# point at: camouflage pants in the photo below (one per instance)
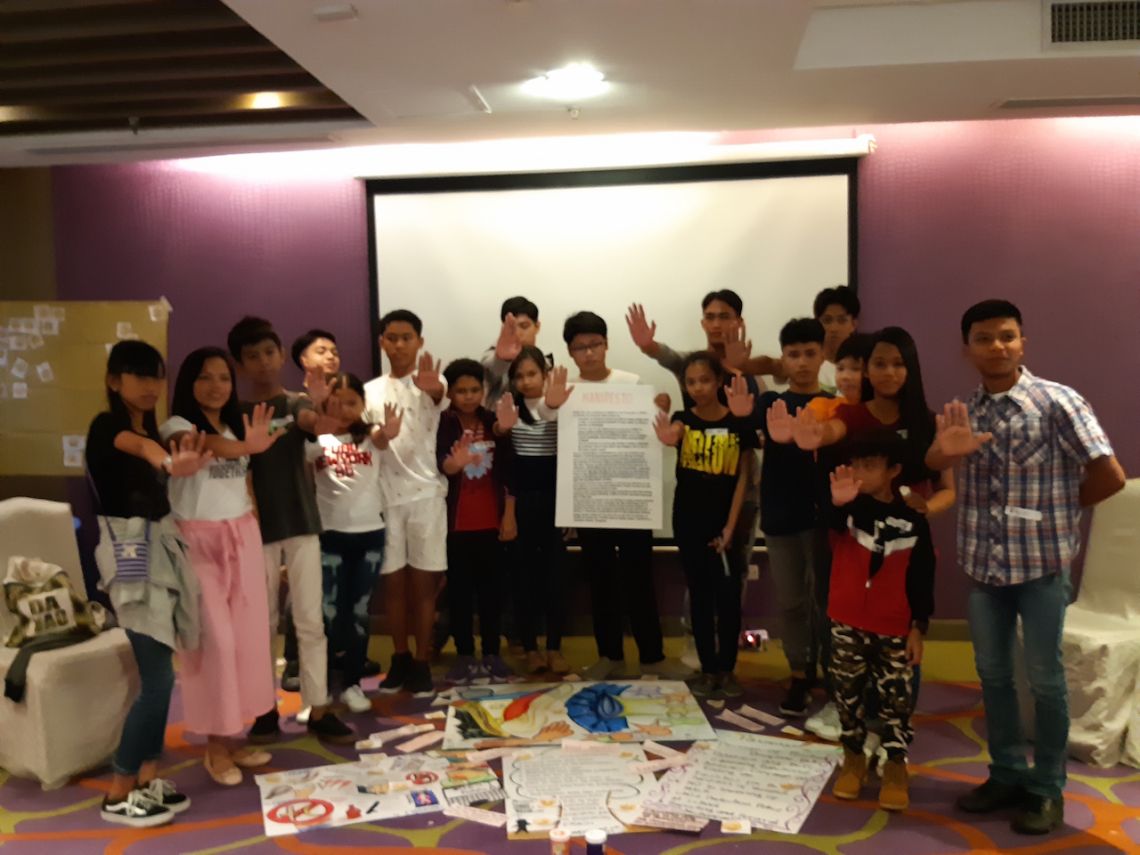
(867, 663)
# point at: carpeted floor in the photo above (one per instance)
(1102, 806)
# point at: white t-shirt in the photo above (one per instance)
(218, 492)
(827, 376)
(616, 376)
(347, 476)
(408, 468)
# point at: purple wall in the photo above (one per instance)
(218, 247)
(1042, 212)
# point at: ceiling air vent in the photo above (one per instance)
(1093, 23)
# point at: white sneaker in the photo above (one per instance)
(825, 723)
(303, 715)
(354, 698)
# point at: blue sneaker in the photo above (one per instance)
(463, 671)
(495, 668)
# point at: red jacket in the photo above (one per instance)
(882, 567)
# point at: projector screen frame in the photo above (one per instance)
(846, 166)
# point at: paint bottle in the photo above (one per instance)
(595, 842)
(559, 841)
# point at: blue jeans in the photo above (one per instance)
(993, 612)
(350, 563)
(144, 731)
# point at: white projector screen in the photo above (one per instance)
(452, 249)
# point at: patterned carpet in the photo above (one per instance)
(1102, 805)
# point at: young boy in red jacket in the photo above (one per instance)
(882, 595)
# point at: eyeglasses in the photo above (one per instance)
(588, 346)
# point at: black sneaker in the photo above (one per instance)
(991, 796)
(329, 728)
(371, 668)
(137, 810)
(163, 792)
(1039, 815)
(266, 728)
(291, 677)
(728, 687)
(419, 681)
(703, 685)
(795, 702)
(398, 673)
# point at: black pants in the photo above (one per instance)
(539, 571)
(820, 650)
(619, 564)
(714, 596)
(474, 576)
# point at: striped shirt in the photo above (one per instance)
(536, 449)
(1020, 511)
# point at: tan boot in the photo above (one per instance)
(895, 791)
(850, 779)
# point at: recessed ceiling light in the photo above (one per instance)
(573, 82)
(266, 101)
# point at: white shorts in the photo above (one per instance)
(417, 536)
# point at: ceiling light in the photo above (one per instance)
(571, 83)
(266, 101)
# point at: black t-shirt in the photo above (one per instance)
(789, 481)
(708, 466)
(282, 479)
(127, 486)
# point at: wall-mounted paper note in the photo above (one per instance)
(41, 312)
(19, 369)
(59, 313)
(19, 390)
(44, 372)
(49, 326)
(73, 459)
(35, 340)
(123, 330)
(17, 342)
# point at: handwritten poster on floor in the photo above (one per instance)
(548, 787)
(372, 788)
(609, 459)
(771, 782)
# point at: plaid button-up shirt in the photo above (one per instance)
(1019, 517)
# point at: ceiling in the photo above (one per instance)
(408, 71)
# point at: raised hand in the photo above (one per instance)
(807, 430)
(188, 455)
(668, 432)
(640, 329)
(330, 419)
(662, 401)
(461, 455)
(737, 347)
(393, 418)
(508, 346)
(427, 375)
(506, 413)
(740, 400)
(844, 487)
(780, 422)
(257, 426)
(954, 436)
(317, 386)
(557, 392)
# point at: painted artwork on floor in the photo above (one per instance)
(546, 713)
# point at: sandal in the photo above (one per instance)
(230, 777)
(251, 757)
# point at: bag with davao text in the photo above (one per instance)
(39, 595)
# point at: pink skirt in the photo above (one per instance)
(228, 680)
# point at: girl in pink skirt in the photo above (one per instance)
(227, 681)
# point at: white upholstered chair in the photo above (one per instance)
(77, 697)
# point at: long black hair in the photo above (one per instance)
(132, 356)
(538, 358)
(915, 416)
(187, 406)
(344, 380)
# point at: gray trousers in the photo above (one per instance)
(797, 561)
